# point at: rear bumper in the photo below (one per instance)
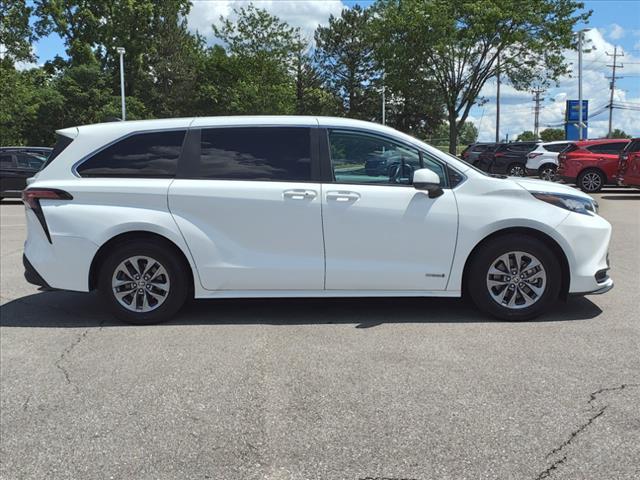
(31, 275)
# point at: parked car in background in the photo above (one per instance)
(471, 154)
(543, 161)
(16, 165)
(591, 164)
(507, 158)
(629, 164)
(152, 212)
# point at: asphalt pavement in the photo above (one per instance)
(321, 389)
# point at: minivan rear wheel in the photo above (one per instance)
(513, 277)
(143, 282)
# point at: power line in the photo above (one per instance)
(612, 85)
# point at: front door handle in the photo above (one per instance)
(299, 194)
(343, 197)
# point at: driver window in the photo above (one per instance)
(358, 157)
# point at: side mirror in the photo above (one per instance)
(425, 179)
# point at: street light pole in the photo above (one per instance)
(121, 51)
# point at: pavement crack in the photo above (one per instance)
(59, 363)
(596, 413)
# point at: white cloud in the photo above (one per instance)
(305, 14)
(616, 32)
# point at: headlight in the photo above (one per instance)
(586, 206)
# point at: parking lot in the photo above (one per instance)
(322, 389)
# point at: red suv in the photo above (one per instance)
(591, 164)
(629, 165)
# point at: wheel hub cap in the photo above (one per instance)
(140, 284)
(516, 280)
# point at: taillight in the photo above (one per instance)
(32, 196)
(533, 155)
(498, 154)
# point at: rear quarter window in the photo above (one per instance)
(141, 155)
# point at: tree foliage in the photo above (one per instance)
(552, 134)
(16, 35)
(345, 57)
(458, 44)
(526, 136)
(429, 57)
(617, 133)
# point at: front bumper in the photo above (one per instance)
(587, 240)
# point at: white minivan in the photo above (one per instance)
(152, 212)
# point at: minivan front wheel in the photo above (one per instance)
(514, 277)
(143, 282)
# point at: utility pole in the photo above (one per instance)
(612, 85)
(536, 111)
(121, 51)
(498, 103)
(581, 124)
(580, 34)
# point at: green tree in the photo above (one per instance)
(526, 136)
(16, 35)
(468, 134)
(617, 133)
(311, 97)
(345, 57)
(259, 70)
(552, 134)
(458, 44)
(95, 29)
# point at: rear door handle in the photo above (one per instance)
(343, 197)
(299, 194)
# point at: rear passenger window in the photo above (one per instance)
(6, 161)
(256, 153)
(146, 155)
(611, 148)
(556, 147)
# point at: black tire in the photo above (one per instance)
(547, 172)
(476, 285)
(516, 170)
(175, 267)
(591, 180)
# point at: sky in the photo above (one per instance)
(613, 23)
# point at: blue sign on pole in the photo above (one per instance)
(572, 114)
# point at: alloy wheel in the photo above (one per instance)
(548, 174)
(516, 280)
(591, 181)
(516, 171)
(140, 284)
